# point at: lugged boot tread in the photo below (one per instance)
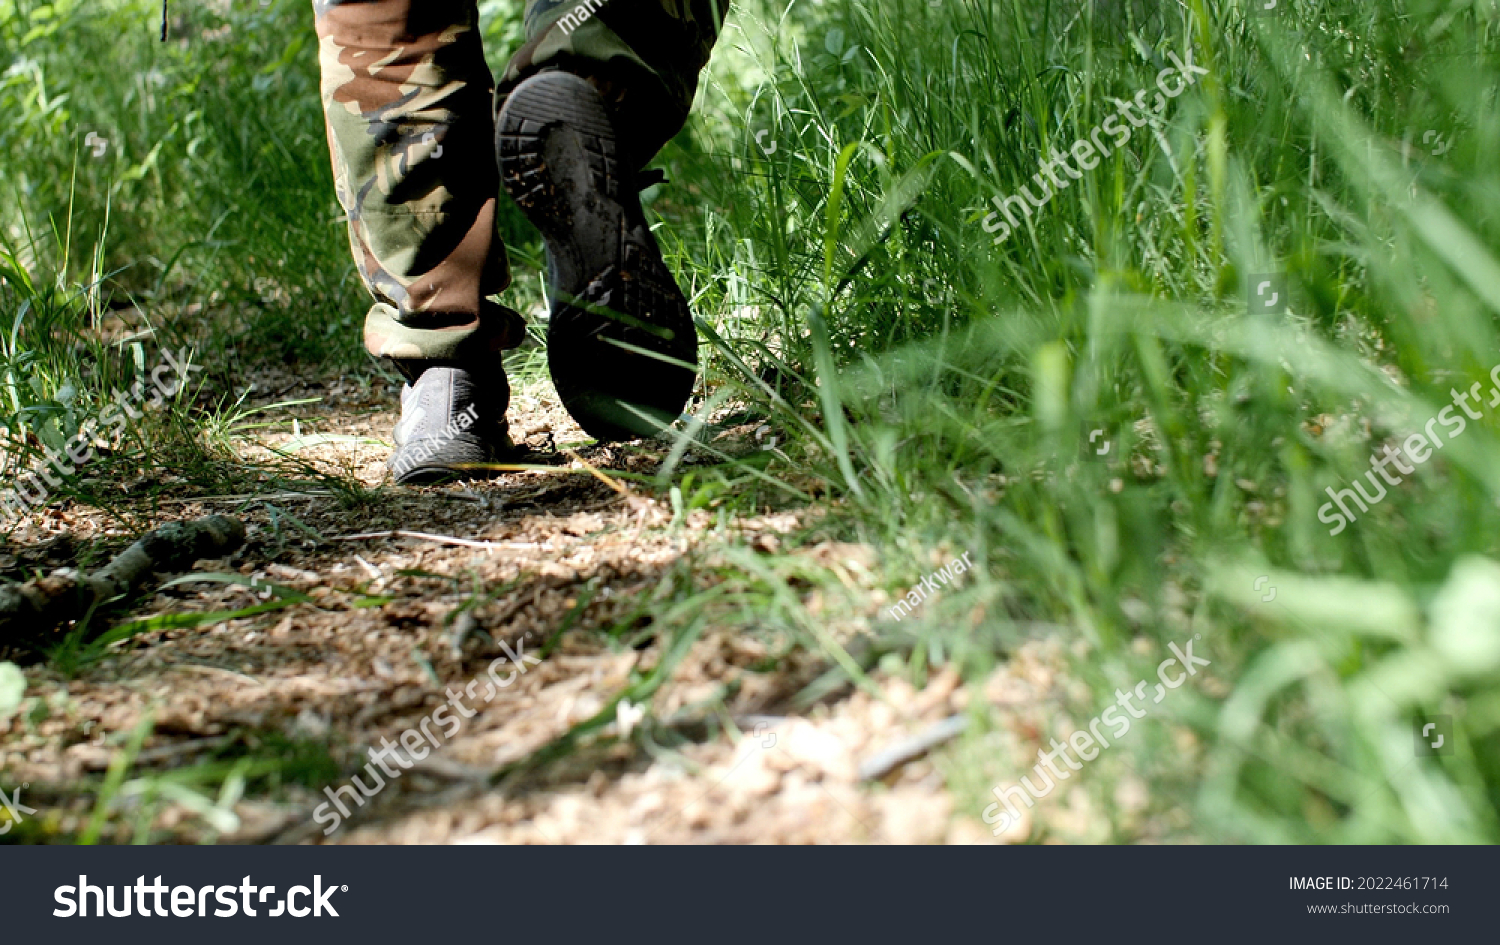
(558, 160)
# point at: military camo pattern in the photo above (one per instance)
(409, 102)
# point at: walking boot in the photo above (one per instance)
(621, 345)
(452, 417)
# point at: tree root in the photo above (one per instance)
(31, 612)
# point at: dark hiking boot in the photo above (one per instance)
(620, 343)
(450, 417)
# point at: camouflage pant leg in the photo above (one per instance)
(644, 55)
(410, 129)
(407, 96)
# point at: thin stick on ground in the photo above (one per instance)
(440, 539)
(596, 473)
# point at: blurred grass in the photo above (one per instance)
(940, 390)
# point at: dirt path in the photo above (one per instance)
(719, 754)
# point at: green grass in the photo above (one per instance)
(938, 391)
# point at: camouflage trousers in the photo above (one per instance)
(410, 105)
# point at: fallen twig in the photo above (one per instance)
(440, 539)
(881, 763)
(30, 612)
(267, 497)
(596, 473)
(370, 569)
(464, 626)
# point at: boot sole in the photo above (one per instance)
(621, 345)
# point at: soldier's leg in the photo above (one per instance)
(406, 92)
(407, 96)
(598, 88)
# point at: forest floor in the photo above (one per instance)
(564, 569)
